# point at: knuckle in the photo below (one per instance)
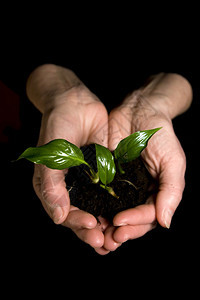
(48, 197)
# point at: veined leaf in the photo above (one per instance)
(58, 154)
(131, 147)
(105, 164)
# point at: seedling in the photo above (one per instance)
(60, 154)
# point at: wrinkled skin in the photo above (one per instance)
(164, 159)
(81, 118)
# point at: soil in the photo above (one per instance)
(92, 198)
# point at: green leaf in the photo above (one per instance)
(105, 164)
(58, 154)
(131, 147)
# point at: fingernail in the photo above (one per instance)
(120, 224)
(167, 217)
(57, 214)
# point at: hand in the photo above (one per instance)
(81, 119)
(72, 112)
(78, 116)
(164, 158)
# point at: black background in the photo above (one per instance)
(111, 61)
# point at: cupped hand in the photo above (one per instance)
(164, 159)
(72, 112)
(80, 118)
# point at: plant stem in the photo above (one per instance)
(110, 190)
(93, 176)
(120, 168)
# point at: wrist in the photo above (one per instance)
(48, 83)
(169, 93)
(145, 112)
(63, 100)
(164, 97)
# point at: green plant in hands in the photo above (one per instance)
(60, 154)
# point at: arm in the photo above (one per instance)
(175, 89)
(47, 82)
(166, 94)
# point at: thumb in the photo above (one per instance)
(98, 131)
(51, 189)
(171, 186)
(119, 127)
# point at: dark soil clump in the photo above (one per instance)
(92, 198)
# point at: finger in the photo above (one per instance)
(102, 225)
(94, 237)
(51, 189)
(101, 251)
(109, 243)
(142, 214)
(79, 219)
(98, 131)
(85, 226)
(171, 186)
(129, 232)
(119, 127)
